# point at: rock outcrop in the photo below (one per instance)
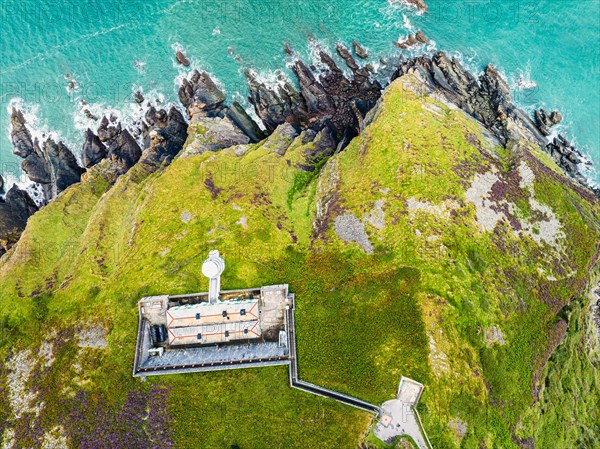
(167, 138)
(93, 149)
(544, 121)
(359, 50)
(122, 149)
(419, 4)
(215, 125)
(419, 38)
(200, 94)
(182, 58)
(326, 99)
(20, 135)
(488, 99)
(243, 121)
(52, 165)
(15, 210)
(567, 157)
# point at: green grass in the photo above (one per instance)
(418, 307)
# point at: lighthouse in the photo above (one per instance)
(212, 268)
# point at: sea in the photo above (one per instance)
(61, 58)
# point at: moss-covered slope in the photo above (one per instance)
(424, 249)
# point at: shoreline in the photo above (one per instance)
(332, 102)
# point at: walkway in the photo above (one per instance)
(312, 388)
(396, 418)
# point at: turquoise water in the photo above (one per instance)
(110, 49)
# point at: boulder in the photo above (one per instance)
(359, 50)
(419, 38)
(281, 139)
(182, 58)
(213, 134)
(556, 117)
(419, 4)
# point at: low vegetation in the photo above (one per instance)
(492, 322)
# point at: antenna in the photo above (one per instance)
(212, 268)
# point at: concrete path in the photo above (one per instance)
(396, 418)
(399, 418)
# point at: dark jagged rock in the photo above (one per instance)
(329, 100)
(488, 99)
(420, 37)
(182, 58)
(276, 105)
(121, 147)
(108, 130)
(20, 135)
(52, 165)
(167, 140)
(359, 50)
(419, 4)
(93, 149)
(63, 165)
(314, 94)
(124, 151)
(544, 121)
(413, 40)
(15, 210)
(139, 98)
(565, 155)
(1, 185)
(200, 94)
(242, 120)
(89, 115)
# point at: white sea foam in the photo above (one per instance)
(131, 114)
(521, 79)
(401, 5)
(271, 78)
(140, 66)
(315, 47)
(38, 129)
(407, 24)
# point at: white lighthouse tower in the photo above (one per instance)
(212, 268)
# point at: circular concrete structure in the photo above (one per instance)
(213, 266)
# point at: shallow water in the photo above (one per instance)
(549, 50)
